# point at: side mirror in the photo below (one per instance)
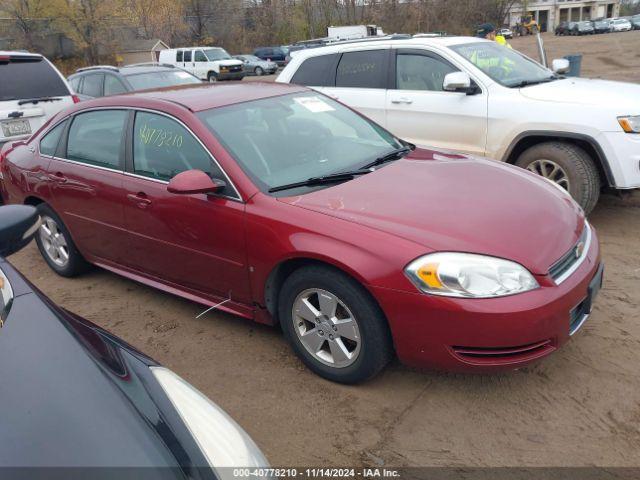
(194, 181)
(560, 65)
(458, 82)
(18, 225)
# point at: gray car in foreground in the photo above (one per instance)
(256, 66)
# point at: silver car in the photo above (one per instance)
(256, 66)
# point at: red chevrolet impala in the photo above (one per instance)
(291, 208)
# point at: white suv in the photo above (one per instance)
(32, 90)
(475, 96)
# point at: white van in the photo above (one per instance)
(32, 90)
(206, 63)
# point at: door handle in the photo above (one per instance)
(58, 177)
(404, 100)
(140, 199)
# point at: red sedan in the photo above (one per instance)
(281, 205)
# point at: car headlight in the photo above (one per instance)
(630, 124)
(469, 276)
(223, 442)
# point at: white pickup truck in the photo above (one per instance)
(475, 96)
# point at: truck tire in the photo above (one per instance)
(568, 166)
(211, 77)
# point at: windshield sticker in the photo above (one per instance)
(160, 138)
(314, 104)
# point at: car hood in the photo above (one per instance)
(586, 91)
(449, 202)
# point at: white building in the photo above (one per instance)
(549, 13)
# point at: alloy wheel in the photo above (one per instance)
(552, 171)
(55, 245)
(326, 328)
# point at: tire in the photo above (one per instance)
(211, 77)
(582, 177)
(259, 71)
(369, 352)
(51, 243)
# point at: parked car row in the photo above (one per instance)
(606, 25)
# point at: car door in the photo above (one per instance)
(85, 179)
(200, 61)
(421, 112)
(189, 65)
(361, 80)
(194, 241)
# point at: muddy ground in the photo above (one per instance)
(580, 407)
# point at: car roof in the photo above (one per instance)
(23, 53)
(135, 69)
(442, 41)
(201, 97)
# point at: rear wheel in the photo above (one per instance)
(56, 245)
(334, 325)
(567, 165)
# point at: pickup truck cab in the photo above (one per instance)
(472, 95)
(206, 63)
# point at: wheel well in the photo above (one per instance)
(33, 201)
(595, 153)
(281, 272)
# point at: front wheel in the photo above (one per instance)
(211, 77)
(334, 325)
(259, 71)
(567, 165)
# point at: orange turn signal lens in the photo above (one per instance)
(429, 275)
(626, 126)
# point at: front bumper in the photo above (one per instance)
(238, 75)
(622, 151)
(488, 335)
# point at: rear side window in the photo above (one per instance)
(75, 83)
(49, 143)
(179, 56)
(316, 71)
(95, 138)
(187, 56)
(22, 79)
(162, 148)
(92, 85)
(364, 69)
(113, 85)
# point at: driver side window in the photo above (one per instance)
(421, 72)
(200, 56)
(162, 148)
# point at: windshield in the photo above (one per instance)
(585, 24)
(504, 65)
(292, 138)
(166, 78)
(214, 54)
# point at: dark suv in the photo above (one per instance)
(105, 80)
(275, 54)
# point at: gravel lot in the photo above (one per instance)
(580, 407)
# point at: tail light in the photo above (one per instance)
(75, 98)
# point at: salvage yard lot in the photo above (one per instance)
(580, 407)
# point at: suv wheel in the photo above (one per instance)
(211, 77)
(334, 325)
(56, 246)
(567, 165)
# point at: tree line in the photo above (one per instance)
(97, 27)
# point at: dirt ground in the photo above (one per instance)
(580, 407)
